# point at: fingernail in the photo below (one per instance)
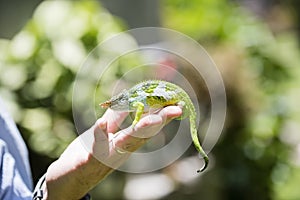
(101, 123)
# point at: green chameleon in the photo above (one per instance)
(155, 94)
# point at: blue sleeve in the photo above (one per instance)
(15, 174)
(12, 186)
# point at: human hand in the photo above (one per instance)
(112, 147)
(99, 150)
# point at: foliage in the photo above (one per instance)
(39, 65)
(254, 156)
(38, 69)
(258, 154)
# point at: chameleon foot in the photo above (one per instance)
(139, 111)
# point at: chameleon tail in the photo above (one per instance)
(189, 106)
(197, 144)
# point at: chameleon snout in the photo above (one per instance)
(106, 104)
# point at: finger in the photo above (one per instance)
(151, 124)
(101, 124)
(170, 112)
(147, 127)
(100, 144)
(129, 139)
(108, 123)
(114, 119)
(166, 114)
(149, 120)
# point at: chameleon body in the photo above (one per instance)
(156, 94)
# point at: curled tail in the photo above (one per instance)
(197, 145)
(189, 110)
(194, 135)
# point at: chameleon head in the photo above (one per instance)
(119, 102)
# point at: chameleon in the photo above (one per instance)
(156, 94)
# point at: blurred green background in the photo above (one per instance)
(255, 44)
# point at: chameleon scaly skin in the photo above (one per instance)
(155, 94)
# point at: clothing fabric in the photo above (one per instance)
(15, 173)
